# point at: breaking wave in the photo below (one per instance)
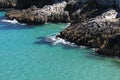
(14, 21)
(54, 41)
(68, 24)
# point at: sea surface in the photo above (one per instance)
(29, 52)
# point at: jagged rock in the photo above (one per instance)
(112, 48)
(93, 32)
(77, 9)
(34, 15)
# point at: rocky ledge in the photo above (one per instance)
(34, 15)
(96, 33)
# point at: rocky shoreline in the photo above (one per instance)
(96, 33)
(34, 15)
(112, 47)
(94, 23)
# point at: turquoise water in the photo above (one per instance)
(26, 55)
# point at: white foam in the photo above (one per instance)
(14, 21)
(10, 21)
(68, 24)
(54, 41)
(82, 46)
(46, 23)
(93, 49)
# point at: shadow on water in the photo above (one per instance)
(2, 17)
(90, 54)
(15, 26)
(43, 41)
(10, 26)
(94, 56)
(116, 61)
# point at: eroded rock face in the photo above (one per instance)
(76, 9)
(76, 4)
(34, 15)
(92, 32)
(101, 31)
(112, 48)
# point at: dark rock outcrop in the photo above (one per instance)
(95, 27)
(92, 32)
(112, 48)
(76, 9)
(22, 4)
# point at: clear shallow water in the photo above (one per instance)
(26, 55)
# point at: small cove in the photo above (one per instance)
(26, 55)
